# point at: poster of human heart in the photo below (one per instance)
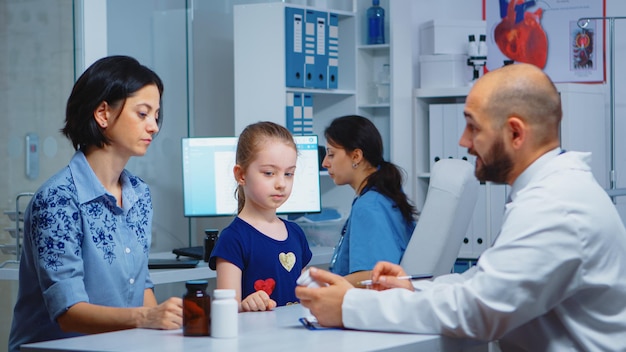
(549, 35)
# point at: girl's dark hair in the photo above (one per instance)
(111, 79)
(249, 143)
(356, 132)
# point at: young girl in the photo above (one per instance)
(258, 254)
(382, 219)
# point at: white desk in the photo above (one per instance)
(277, 330)
(321, 255)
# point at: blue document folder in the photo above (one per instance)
(333, 51)
(307, 113)
(315, 58)
(294, 47)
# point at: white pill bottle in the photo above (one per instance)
(224, 314)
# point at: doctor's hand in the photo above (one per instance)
(384, 276)
(325, 302)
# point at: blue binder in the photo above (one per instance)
(294, 112)
(297, 113)
(307, 113)
(294, 47)
(321, 58)
(289, 111)
(297, 107)
(333, 51)
(316, 58)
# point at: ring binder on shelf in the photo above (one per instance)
(307, 113)
(294, 50)
(299, 113)
(316, 59)
(294, 111)
(333, 51)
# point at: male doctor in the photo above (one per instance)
(555, 278)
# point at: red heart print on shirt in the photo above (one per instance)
(266, 285)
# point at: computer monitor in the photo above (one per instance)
(209, 185)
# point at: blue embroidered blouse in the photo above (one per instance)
(79, 246)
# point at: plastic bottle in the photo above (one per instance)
(210, 237)
(196, 309)
(383, 85)
(305, 279)
(375, 24)
(224, 314)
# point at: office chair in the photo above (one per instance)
(444, 219)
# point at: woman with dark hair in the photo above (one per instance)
(87, 230)
(382, 219)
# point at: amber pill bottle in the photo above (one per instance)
(196, 309)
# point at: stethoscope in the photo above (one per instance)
(336, 253)
(343, 232)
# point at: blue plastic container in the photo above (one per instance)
(375, 24)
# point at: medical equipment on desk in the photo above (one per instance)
(321, 229)
(17, 216)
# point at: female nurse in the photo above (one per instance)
(382, 218)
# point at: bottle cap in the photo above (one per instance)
(223, 293)
(306, 280)
(197, 284)
(375, 2)
(211, 233)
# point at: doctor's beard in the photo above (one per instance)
(496, 164)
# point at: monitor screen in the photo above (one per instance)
(209, 184)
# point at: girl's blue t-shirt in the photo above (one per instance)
(265, 263)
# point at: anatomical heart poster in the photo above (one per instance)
(548, 34)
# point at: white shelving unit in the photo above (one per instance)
(260, 78)
(422, 98)
(260, 75)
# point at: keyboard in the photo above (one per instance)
(196, 252)
(172, 263)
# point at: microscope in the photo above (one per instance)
(476, 55)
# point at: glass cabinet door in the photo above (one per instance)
(36, 77)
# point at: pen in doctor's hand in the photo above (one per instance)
(409, 277)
